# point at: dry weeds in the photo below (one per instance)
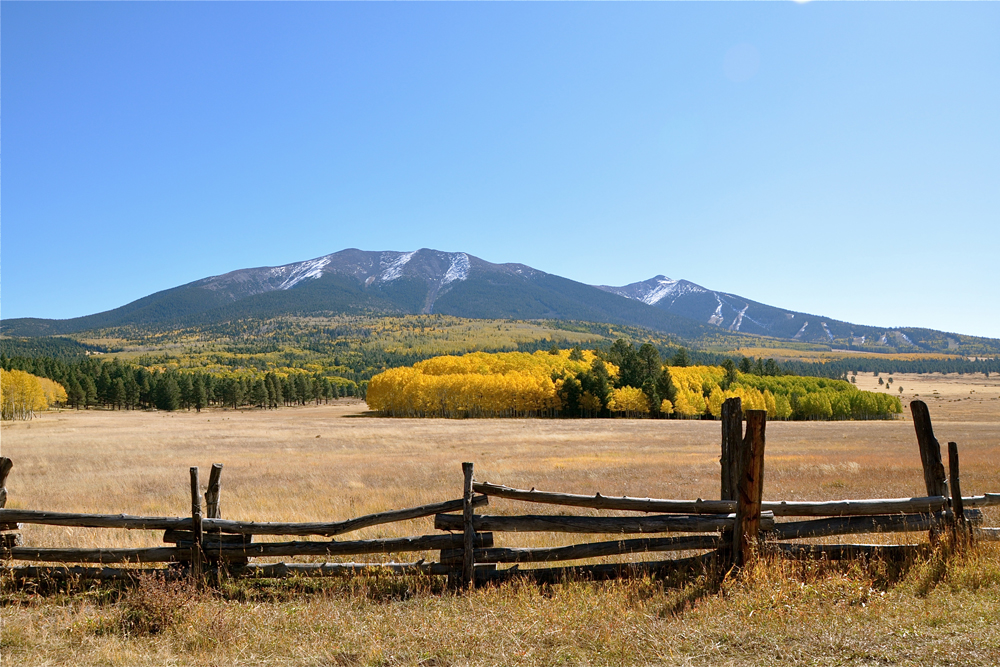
(329, 463)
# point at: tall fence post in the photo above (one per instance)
(749, 488)
(959, 525)
(930, 450)
(196, 554)
(5, 465)
(469, 553)
(732, 435)
(7, 539)
(212, 509)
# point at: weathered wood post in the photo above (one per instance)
(212, 510)
(5, 465)
(196, 554)
(732, 435)
(749, 489)
(7, 539)
(468, 554)
(959, 525)
(930, 450)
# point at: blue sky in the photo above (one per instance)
(841, 159)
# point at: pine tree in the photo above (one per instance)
(166, 394)
(200, 396)
(89, 391)
(259, 393)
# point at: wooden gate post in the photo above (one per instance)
(196, 555)
(959, 525)
(749, 488)
(212, 509)
(732, 436)
(468, 553)
(930, 450)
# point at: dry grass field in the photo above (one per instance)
(334, 462)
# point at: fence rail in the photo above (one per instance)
(733, 529)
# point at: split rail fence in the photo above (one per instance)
(730, 531)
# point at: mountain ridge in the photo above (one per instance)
(457, 283)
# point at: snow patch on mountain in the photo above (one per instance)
(716, 317)
(827, 330)
(663, 287)
(801, 331)
(459, 269)
(738, 320)
(301, 271)
(394, 269)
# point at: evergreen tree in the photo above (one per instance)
(166, 393)
(731, 377)
(74, 393)
(117, 393)
(652, 396)
(186, 387)
(89, 391)
(259, 393)
(200, 396)
(665, 388)
(131, 390)
(570, 397)
(680, 358)
(650, 364)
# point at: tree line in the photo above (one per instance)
(115, 384)
(623, 380)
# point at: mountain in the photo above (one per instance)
(735, 313)
(459, 284)
(357, 281)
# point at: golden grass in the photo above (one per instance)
(949, 397)
(796, 354)
(329, 463)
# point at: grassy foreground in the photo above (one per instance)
(322, 463)
(941, 610)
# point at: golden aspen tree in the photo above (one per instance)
(21, 395)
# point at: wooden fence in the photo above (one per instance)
(730, 531)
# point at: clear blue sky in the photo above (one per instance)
(842, 159)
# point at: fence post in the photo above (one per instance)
(212, 510)
(468, 554)
(959, 525)
(196, 555)
(7, 539)
(5, 465)
(930, 450)
(749, 488)
(732, 435)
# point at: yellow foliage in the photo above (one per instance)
(507, 384)
(54, 392)
(23, 394)
(715, 401)
(630, 400)
(666, 407)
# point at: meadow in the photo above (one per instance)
(316, 463)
